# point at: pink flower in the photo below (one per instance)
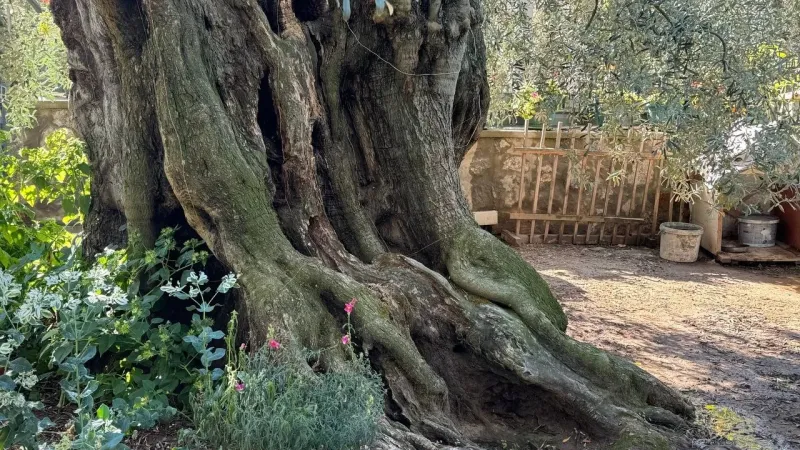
(534, 95)
(273, 344)
(239, 386)
(243, 347)
(348, 307)
(346, 339)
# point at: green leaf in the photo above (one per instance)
(211, 355)
(161, 275)
(104, 412)
(111, 440)
(90, 389)
(60, 353)
(7, 383)
(20, 365)
(138, 329)
(5, 258)
(44, 424)
(105, 341)
(87, 354)
(213, 334)
(205, 307)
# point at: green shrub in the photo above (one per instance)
(95, 330)
(56, 173)
(271, 404)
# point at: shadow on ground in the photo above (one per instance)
(725, 336)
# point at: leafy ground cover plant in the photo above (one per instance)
(94, 330)
(273, 400)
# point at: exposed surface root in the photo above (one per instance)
(395, 436)
(609, 394)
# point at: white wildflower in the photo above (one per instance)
(51, 280)
(72, 303)
(198, 279)
(98, 274)
(12, 399)
(28, 314)
(31, 310)
(194, 292)
(69, 276)
(228, 281)
(27, 379)
(96, 298)
(9, 290)
(118, 297)
(53, 300)
(6, 348)
(170, 288)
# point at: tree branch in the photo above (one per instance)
(594, 13)
(35, 5)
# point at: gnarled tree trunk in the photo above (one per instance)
(317, 157)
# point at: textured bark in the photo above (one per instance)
(318, 159)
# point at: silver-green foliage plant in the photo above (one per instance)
(719, 77)
(96, 331)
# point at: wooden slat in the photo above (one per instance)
(654, 224)
(580, 197)
(595, 189)
(566, 197)
(525, 137)
(543, 136)
(536, 193)
(671, 207)
(552, 192)
(558, 137)
(632, 203)
(521, 186)
(576, 218)
(780, 253)
(485, 217)
(619, 198)
(644, 198)
(605, 205)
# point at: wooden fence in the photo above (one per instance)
(586, 189)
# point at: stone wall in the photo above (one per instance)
(50, 116)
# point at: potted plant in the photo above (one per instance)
(526, 103)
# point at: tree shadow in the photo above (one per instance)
(707, 329)
(709, 365)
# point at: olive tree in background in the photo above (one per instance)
(720, 77)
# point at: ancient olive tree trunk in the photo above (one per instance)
(317, 157)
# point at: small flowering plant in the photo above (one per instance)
(194, 287)
(349, 307)
(526, 102)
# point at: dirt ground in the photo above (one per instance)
(726, 336)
